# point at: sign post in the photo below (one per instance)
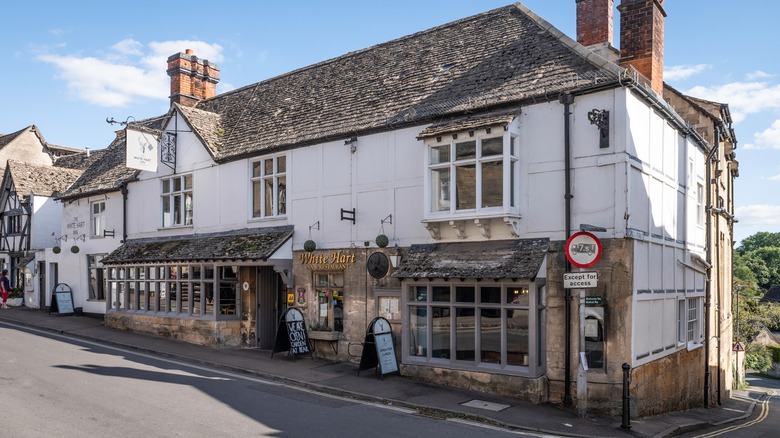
(291, 334)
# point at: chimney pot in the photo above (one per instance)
(192, 79)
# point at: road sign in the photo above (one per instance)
(580, 280)
(583, 249)
(738, 346)
(594, 301)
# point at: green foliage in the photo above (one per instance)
(757, 357)
(775, 354)
(761, 239)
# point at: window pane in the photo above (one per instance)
(465, 187)
(418, 330)
(268, 167)
(464, 334)
(492, 146)
(269, 196)
(517, 337)
(187, 182)
(177, 184)
(177, 209)
(281, 164)
(490, 335)
(513, 146)
(464, 294)
(440, 154)
(166, 186)
(492, 184)
(440, 189)
(440, 340)
(188, 209)
(517, 295)
(256, 169)
(512, 172)
(441, 293)
(466, 150)
(256, 199)
(281, 193)
(166, 211)
(490, 294)
(419, 293)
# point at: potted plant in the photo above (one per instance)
(15, 297)
(321, 331)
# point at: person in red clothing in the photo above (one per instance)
(5, 287)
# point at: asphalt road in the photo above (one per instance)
(53, 386)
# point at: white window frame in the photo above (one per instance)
(449, 165)
(97, 219)
(260, 178)
(169, 216)
(699, 205)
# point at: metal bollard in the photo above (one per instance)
(626, 397)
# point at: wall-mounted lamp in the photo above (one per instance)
(600, 118)
(395, 258)
(352, 142)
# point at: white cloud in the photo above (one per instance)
(128, 73)
(758, 74)
(128, 47)
(758, 215)
(767, 139)
(743, 98)
(678, 72)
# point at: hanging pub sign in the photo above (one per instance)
(378, 348)
(291, 334)
(141, 150)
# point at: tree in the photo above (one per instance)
(759, 240)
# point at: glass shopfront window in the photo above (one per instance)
(472, 326)
(184, 289)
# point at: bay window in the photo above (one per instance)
(477, 175)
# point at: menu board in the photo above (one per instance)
(291, 334)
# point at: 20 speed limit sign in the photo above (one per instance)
(583, 249)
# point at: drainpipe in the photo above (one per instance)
(567, 99)
(708, 297)
(123, 188)
(719, 288)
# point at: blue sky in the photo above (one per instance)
(67, 66)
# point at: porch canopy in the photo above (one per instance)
(520, 258)
(246, 244)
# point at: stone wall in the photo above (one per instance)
(195, 331)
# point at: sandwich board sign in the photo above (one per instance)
(291, 334)
(378, 348)
(62, 300)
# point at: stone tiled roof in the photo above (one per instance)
(504, 57)
(40, 180)
(80, 160)
(207, 126)
(772, 295)
(254, 244)
(474, 260)
(108, 171)
(467, 123)
(7, 138)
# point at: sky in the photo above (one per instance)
(69, 66)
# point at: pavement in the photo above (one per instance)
(342, 379)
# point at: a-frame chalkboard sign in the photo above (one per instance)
(291, 334)
(62, 300)
(378, 348)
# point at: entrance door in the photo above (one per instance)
(41, 285)
(269, 300)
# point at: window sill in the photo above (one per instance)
(176, 227)
(482, 221)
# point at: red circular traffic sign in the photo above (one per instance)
(583, 249)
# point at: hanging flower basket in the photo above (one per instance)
(382, 241)
(309, 246)
(56, 250)
(74, 249)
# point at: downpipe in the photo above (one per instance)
(567, 99)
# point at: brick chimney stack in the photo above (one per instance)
(192, 79)
(642, 39)
(594, 27)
